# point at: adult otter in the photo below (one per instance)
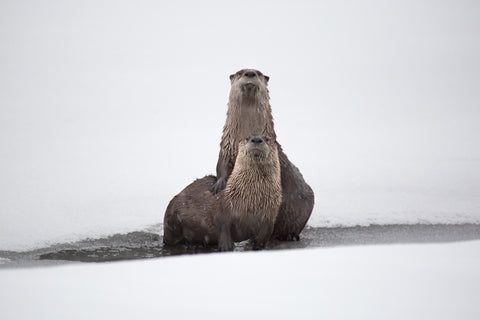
(246, 209)
(248, 111)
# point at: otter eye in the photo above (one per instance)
(246, 139)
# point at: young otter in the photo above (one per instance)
(249, 110)
(253, 194)
(246, 209)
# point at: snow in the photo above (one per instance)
(369, 282)
(108, 110)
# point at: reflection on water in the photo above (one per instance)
(148, 244)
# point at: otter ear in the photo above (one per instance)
(232, 76)
(266, 78)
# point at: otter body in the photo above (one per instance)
(249, 111)
(190, 218)
(246, 209)
(251, 200)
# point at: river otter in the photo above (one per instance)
(190, 215)
(248, 111)
(246, 209)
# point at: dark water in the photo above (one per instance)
(146, 245)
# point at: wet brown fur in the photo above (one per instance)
(249, 111)
(189, 217)
(251, 199)
(246, 209)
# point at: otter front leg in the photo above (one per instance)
(225, 241)
(224, 169)
(219, 185)
(262, 236)
(224, 225)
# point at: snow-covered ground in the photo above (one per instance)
(370, 282)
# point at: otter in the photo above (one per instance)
(249, 110)
(190, 215)
(247, 208)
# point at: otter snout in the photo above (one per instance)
(250, 74)
(256, 139)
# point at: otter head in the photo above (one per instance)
(248, 85)
(258, 148)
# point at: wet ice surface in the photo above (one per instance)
(148, 244)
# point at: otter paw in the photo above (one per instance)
(225, 241)
(258, 246)
(219, 185)
(289, 237)
(225, 246)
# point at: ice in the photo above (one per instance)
(368, 282)
(108, 111)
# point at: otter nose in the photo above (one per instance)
(256, 140)
(249, 74)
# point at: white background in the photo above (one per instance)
(109, 108)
